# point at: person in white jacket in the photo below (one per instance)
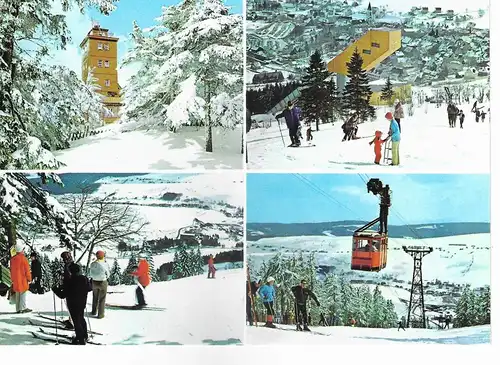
(99, 273)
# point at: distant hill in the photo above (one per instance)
(256, 231)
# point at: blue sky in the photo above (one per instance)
(118, 22)
(285, 198)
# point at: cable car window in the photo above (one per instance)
(376, 245)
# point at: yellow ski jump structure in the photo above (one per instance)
(374, 46)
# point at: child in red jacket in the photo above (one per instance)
(378, 146)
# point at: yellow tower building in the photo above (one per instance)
(100, 61)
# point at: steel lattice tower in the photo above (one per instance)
(416, 309)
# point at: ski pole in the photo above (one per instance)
(55, 317)
(88, 320)
(279, 126)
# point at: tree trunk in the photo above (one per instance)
(209, 146)
(243, 139)
(317, 124)
(9, 227)
(91, 249)
(6, 59)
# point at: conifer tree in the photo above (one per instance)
(485, 307)
(127, 278)
(47, 275)
(357, 93)
(316, 96)
(387, 92)
(115, 276)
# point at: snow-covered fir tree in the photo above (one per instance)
(28, 31)
(318, 96)
(47, 276)
(198, 263)
(115, 274)
(387, 92)
(56, 269)
(190, 69)
(127, 278)
(21, 200)
(357, 92)
(485, 307)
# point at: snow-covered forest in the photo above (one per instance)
(340, 301)
(190, 73)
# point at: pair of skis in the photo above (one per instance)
(57, 338)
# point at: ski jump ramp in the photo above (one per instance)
(374, 46)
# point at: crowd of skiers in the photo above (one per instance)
(72, 286)
(454, 113)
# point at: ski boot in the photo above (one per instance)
(306, 329)
(269, 325)
(68, 325)
(298, 328)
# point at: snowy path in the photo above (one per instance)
(372, 336)
(427, 145)
(141, 150)
(198, 311)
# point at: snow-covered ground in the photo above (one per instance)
(456, 259)
(363, 336)
(428, 145)
(196, 311)
(123, 150)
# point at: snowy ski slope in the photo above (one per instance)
(197, 311)
(427, 145)
(367, 336)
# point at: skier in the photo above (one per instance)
(322, 320)
(254, 287)
(398, 113)
(377, 148)
(353, 322)
(211, 267)
(447, 321)
(478, 115)
(66, 275)
(292, 117)
(452, 111)
(99, 273)
(401, 326)
(350, 128)
(36, 273)
(309, 136)
(462, 118)
(143, 278)
(75, 290)
(385, 203)
(301, 294)
(267, 293)
(395, 138)
(20, 275)
(483, 116)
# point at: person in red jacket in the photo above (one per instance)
(20, 275)
(142, 274)
(211, 267)
(378, 141)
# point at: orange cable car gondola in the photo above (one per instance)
(369, 247)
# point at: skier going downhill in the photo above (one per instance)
(301, 294)
(267, 293)
(292, 117)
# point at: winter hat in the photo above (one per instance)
(388, 115)
(269, 279)
(378, 133)
(99, 254)
(19, 247)
(396, 101)
(142, 255)
(75, 269)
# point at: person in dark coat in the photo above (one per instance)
(350, 128)
(478, 115)
(322, 320)
(36, 274)
(483, 116)
(254, 286)
(400, 326)
(301, 294)
(75, 290)
(292, 118)
(447, 321)
(462, 119)
(385, 203)
(66, 275)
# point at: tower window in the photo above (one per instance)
(107, 83)
(99, 46)
(99, 63)
(367, 51)
(106, 64)
(106, 46)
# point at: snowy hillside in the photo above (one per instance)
(194, 311)
(427, 144)
(121, 149)
(364, 336)
(456, 259)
